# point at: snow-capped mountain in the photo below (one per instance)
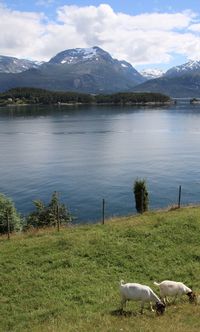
(96, 65)
(180, 81)
(77, 55)
(95, 56)
(152, 73)
(190, 67)
(90, 70)
(14, 65)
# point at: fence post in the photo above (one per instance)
(58, 219)
(103, 211)
(142, 201)
(179, 197)
(8, 224)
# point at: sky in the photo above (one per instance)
(146, 33)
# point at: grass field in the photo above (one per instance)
(69, 281)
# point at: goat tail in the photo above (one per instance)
(156, 283)
(121, 282)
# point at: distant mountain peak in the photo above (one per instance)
(14, 65)
(76, 55)
(151, 73)
(189, 67)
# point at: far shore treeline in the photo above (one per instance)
(21, 96)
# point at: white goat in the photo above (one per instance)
(176, 289)
(137, 292)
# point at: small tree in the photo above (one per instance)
(49, 215)
(141, 196)
(9, 217)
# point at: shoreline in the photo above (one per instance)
(152, 103)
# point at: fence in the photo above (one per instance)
(105, 206)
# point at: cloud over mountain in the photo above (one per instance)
(148, 38)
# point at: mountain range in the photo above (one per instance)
(90, 70)
(93, 70)
(15, 65)
(180, 81)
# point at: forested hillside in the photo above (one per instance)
(40, 96)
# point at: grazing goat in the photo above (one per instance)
(176, 289)
(137, 292)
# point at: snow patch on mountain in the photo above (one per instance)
(88, 53)
(191, 65)
(152, 73)
(123, 65)
(186, 68)
(73, 56)
(85, 53)
(14, 65)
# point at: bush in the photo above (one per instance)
(141, 196)
(49, 215)
(8, 213)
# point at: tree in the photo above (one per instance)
(55, 213)
(141, 196)
(9, 217)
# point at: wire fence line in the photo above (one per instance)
(179, 198)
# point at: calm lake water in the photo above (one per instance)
(90, 153)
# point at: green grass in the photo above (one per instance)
(69, 281)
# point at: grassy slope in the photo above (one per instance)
(68, 281)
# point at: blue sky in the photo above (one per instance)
(126, 6)
(147, 33)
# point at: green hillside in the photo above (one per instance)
(21, 96)
(69, 281)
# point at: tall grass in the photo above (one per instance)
(69, 281)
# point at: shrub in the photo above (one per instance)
(141, 196)
(49, 215)
(8, 213)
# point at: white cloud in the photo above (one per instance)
(45, 3)
(195, 27)
(20, 32)
(140, 39)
